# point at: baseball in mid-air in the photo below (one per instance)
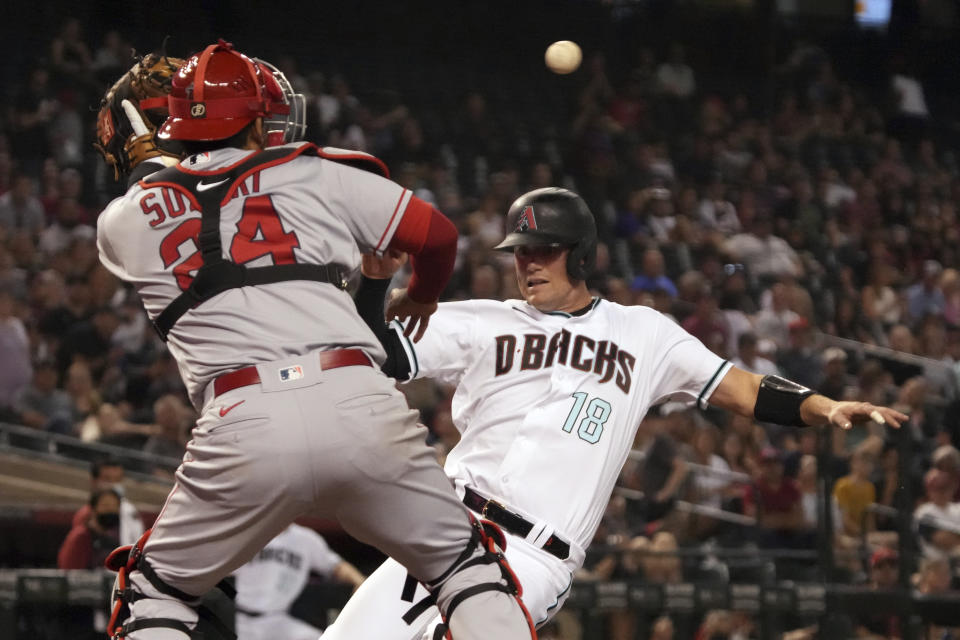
(563, 56)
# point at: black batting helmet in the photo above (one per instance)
(554, 216)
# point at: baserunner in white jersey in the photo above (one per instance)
(268, 585)
(240, 254)
(550, 391)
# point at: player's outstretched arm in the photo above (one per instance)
(775, 399)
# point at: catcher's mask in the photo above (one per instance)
(219, 91)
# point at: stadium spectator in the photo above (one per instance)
(834, 379)
(173, 418)
(70, 56)
(707, 323)
(66, 228)
(675, 77)
(939, 517)
(807, 484)
(800, 361)
(934, 576)
(662, 629)
(676, 84)
(14, 352)
(84, 397)
(749, 359)
(765, 255)
(924, 422)
(734, 453)
(910, 114)
(41, 404)
(715, 212)
(720, 624)
(946, 458)
(111, 58)
(925, 297)
(774, 500)
(661, 218)
(653, 276)
(854, 493)
(61, 304)
(664, 469)
(880, 303)
(89, 543)
(486, 223)
(884, 573)
(887, 481)
(658, 559)
(485, 282)
(950, 286)
(710, 486)
(31, 114)
(774, 320)
(273, 579)
(89, 340)
(108, 474)
(66, 130)
(110, 425)
(20, 209)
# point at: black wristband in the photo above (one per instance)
(779, 400)
(369, 300)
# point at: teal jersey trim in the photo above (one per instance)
(723, 367)
(584, 311)
(556, 602)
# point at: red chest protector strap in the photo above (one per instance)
(208, 192)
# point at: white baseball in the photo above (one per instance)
(563, 56)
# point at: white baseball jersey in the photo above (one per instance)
(306, 210)
(548, 404)
(275, 577)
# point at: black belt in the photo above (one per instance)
(512, 522)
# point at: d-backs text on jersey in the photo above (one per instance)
(602, 358)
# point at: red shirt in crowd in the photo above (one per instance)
(770, 499)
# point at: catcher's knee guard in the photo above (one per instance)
(215, 610)
(459, 583)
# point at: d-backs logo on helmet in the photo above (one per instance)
(527, 220)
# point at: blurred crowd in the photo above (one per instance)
(817, 239)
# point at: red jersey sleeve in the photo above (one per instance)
(431, 240)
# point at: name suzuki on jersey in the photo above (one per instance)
(166, 203)
(602, 358)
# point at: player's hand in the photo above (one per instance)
(846, 414)
(401, 306)
(382, 267)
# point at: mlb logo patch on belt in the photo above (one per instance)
(289, 374)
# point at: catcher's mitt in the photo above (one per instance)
(132, 110)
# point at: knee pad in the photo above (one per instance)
(215, 610)
(485, 548)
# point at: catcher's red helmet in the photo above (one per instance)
(219, 91)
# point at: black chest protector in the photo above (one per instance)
(208, 192)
